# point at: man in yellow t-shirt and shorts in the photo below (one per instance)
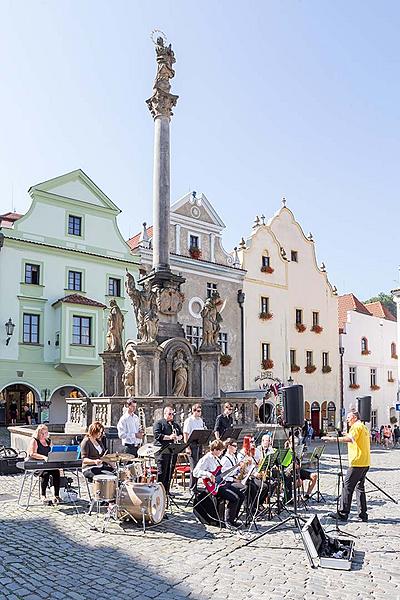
(359, 454)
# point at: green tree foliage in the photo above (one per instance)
(387, 300)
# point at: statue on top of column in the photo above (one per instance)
(115, 324)
(212, 319)
(162, 101)
(144, 304)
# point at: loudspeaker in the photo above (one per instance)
(293, 405)
(364, 408)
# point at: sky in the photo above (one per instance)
(293, 98)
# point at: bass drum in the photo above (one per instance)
(139, 499)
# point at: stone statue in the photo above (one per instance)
(144, 304)
(128, 376)
(115, 327)
(162, 101)
(180, 367)
(212, 320)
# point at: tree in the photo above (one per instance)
(387, 301)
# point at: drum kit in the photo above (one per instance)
(131, 492)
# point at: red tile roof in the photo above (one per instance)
(8, 219)
(133, 242)
(78, 299)
(379, 310)
(349, 302)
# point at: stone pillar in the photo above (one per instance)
(147, 371)
(161, 194)
(113, 369)
(210, 373)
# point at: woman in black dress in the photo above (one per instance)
(39, 449)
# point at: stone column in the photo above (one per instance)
(161, 194)
(147, 371)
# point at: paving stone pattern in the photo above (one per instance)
(54, 552)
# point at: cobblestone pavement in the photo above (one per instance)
(54, 552)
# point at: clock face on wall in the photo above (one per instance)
(195, 212)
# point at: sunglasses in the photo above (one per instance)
(198, 410)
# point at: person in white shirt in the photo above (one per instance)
(129, 429)
(228, 461)
(193, 423)
(264, 448)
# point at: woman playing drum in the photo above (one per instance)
(92, 450)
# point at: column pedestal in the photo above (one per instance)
(113, 369)
(147, 371)
(210, 373)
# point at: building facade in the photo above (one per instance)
(290, 317)
(370, 363)
(196, 252)
(60, 265)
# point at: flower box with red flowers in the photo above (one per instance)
(310, 368)
(391, 380)
(326, 369)
(354, 386)
(365, 352)
(317, 328)
(300, 327)
(265, 316)
(294, 368)
(375, 387)
(395, 356)
(267, 269)
(195, 252)
(267, 363)
(225, 359)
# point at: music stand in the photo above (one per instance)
(231, 432)
(171, 450)
(316, 455)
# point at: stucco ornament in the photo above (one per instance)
(128, 376)
(212, 320)
(170, 300)
(180, 368)
(144, 304)
(162, 101)
(115, 325)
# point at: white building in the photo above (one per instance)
(369, 334)
(290, 316)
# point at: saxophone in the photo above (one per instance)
(142, 419)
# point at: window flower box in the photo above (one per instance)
(195, 252)
(267, 269)
(294, 368)
(300, 327)
(395, 356)
(317, 328)
(375, 387)
(391, 380)
(365, 352)
(310, 368)
(265, 316)
(225, 359)
(326, 369)
(354, 386)
(267, 363)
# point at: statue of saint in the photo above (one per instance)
(144, 304)
(115, 327)
(128, 376)
(212, 320)
(180, 368)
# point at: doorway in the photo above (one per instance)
(315, 417)
(13, 399)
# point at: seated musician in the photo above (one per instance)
(302, 475)
(92, 450)
(264, 449)
(39, 448)
(249, 475)
(230, 460)
(206, 468)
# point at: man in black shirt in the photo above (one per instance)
(166, 432)
(223, 421)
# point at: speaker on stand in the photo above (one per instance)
(364, 408)
(293, 405)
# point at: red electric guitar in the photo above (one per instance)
(220, 479)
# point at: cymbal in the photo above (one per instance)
(116, 457)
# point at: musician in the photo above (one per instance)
(359, 463)
(224, 421)
(129, 429)
(193, 423)
(92, 450)
(39, 448)
(302, 475)
(166, 432)
(257, 489)
(206, 468)
(230, 460)
(264, 449)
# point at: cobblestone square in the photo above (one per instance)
(55, 552)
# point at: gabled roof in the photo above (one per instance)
(202, 202)
(133, 242)
(78, 299)
(350, 302)
(379, 310)
(9, 218)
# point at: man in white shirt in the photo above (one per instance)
(264, 449)
(193, 423)
(129, 430)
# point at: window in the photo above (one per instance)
(393, 350)
(299, 316)
(31, 329)
(374, 418)
(325, 359)
(292, 358)
(81, 330)
(264, 304)
(194, 335)
(265, 261)
(265, 351)
(223, 342)
(353, 375)
(75, 280)
(211, 287)
(32, 274)
(364, 345)
(373, 377)
(390, 376)
(315, 319)
(309, 358)
(74, 225)
(194, 241)
(114, 286)
(293, 256)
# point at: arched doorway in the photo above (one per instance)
(307, 411)
(331, 416)
(13, 398)
(315, 417)
(324, 417)
(58, 411)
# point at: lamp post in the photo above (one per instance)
(341, 353)
(44, 405)
(241, 298)
(9, 330)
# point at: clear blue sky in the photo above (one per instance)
(277, 98)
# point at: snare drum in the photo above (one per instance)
(133, 471)
(105, 487)
(139, 499)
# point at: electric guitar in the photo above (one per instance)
(220, 478)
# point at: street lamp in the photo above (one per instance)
(9, 330)
(341, 352)
(290, 380)
(241, 296)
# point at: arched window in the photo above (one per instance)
(364, 346)
(393, 350)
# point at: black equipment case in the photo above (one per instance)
(329, 552)
(8, 461)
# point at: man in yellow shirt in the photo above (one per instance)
(359, 455)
